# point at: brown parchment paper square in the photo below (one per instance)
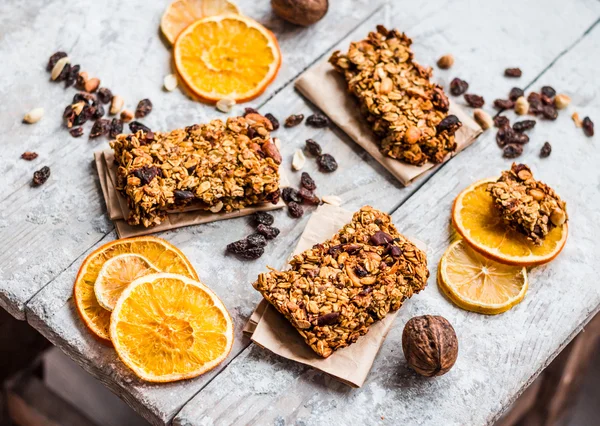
(271, 330)
(327, 89)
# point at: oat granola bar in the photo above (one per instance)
(333, 292)
(527, 205)
(216, 166)
(407, 112)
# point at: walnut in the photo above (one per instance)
(300, 12)
(430, 345)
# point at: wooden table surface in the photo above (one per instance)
(46, 232)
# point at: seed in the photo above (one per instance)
(576, 119)
(458, 86)
(327, 163)
(313, 147)
(41, 176)
(561, 101)
(521, 126)
(126, 115)
(34, 115)
(515, 93)
(333, 200)
(412, 135)
(588, 127)
(474, 101)
(293, 120)
(504, 104)
(483, 119)
(501, 121)
(225, 104)
(546, 150)
(548, 91)
(91, 85)
(144, 107)
(116, 104)
(512, 151)
(54, 59)
(298, 160)
(513, 72)
(29, 155)
(170, 82)
(445, 62)
(317, 120)
(104, 95)
(273, 120)
(307, 182)
(521, 106)
(58, 68)
(76, 132)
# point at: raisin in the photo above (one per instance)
(504, 104)
(313, 147)
(144, 107)
(450, 124)
(100, 127)
(521, 126)
(146, 174)
(519, 138)
(54, 59)
(116, 127)
(309, 197)
(307, 182)
(252, 133)
(290, 195)
(274, 196)
(440, 100)
(252, 253)
(269, 232)
(513, 72)
(549, 112)
(273, 120)
(263, 218)
(588, 126)
(394, 251)
(548, 91)
(136, 126)
(381, 238)
(317, 120)
(72, 77)
(69, 116)
(249, 110)
(546, 150)
(535, 103)
(238, 247)
(360, 271)
(458, 86)
(41, 176)
(29, 155)
(474, 101)
(515, 93)
(327, 163)
(76, 132)
(256, 240)
(512, 151)
(98, 111)
(64, 73)
(504, 136)
(501, 121)
(88, 98)
(104, 95)
(295, 210)
(547, 100)
(183, 195)
(328, 319)
(294, 120)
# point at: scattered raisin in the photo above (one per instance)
(549, 112)
(521, 126)
(474, 101)
(504, 136)
(135, 126)
(501, 121)
(512, 151)
(548, 91)
(269, 232)
(144, 108)
(274, 121)
(307, 182)
(146, 174)
(64, 73)
(249, 110)
(547, 100)
(256, 240)
(458, 86)
(88, 98)
(515, 93)
(116, 127)
(183, 195)
(72, 77)
(290, 195)
(317, 120)
(546, 150)
(41, 176)
(449, 124)
(313, 147)
(238, 246)
(263, 218)
(513, 72)
(535, 103)
(295, 210)
(29, 155)
(54, 59)
(327, 163)
(76, 132)
(519, 138)
(104, 95)
(504, 104)
(97, 111)
(294, 120)
(588, 126)
(100, 127)
(274, 196)
(252, 253)
(309, 197)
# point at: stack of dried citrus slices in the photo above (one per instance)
(217, 52)
(486, 271)
(143, 295)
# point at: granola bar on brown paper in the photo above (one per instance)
(527, 205)
(407, 112)
(218, 167)
(334, 291)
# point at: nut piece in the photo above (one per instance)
(58, 67)
(300, 12)
(34, 115)
(412, 135)
(225, 104)
(578, 122)
(126, 115)
(483, 119)
(116, 105)
(561, 101)
(334, 200)
(298, 160)
(170, 82)
(445, 62)
(91, 85)
(430, 345)
(521, 106)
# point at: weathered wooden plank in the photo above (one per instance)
(499, 355)
(46, 228)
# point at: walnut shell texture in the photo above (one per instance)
(430, 345)
(300, 12)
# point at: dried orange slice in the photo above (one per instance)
(160, 253)
(476, 283)
(227, 56)
(479, 223)
(167, 327)
(180, 14)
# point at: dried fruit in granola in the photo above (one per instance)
(293, 120)
(273, 120)
(474, 101)
(313, 147)
(263, 218)
(513, 72)
(41, 176)
(327, 163)
(136, 126)
(458, 86)
(144, 107)
(307, 182)
(317, 120)
(29, 155)
(546, 150)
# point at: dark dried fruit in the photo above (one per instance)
(54, 59)
(243, 249)
(72, 77)
(519, 138)
(273, 120)
(535, 103)
(41, 176)
(146, 174)
(521, 126)
(295, 210)
(116, 127)
(548, 91)
(313, 147)
(588, 126)
(238, 246)
(97, 111)
(290, 195)
(64, 73)
(269, 232)
(504, 136)
(549, 112)
(394, 251)
(144, 108)
(252, 253)
(317, 120)
(450, 124)
(69, 116)
(274, 196)
(513, 72)
(440, 100)
(458, 86)
(29, 155)
(76, 132)
(256, 240)
(501, 121)
(327, 163)
(309, 197)
(263, 218)
(512, 151)
(360, 271)
(328, 319)
(183, 195)
(101, 127)
(136, 126)
(381, 238)
(474, 101)
(546, 150)
(307, 182)
(88, 98)
(249, 110)
(515, 93)
(504, 104)
(294, 120)
(546, 100)
(104, 95)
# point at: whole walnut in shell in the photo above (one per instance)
(300, 12)
(430, 345)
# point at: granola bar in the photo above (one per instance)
(528, 206)
(406, 111)
(333, 292)
(216, 166)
